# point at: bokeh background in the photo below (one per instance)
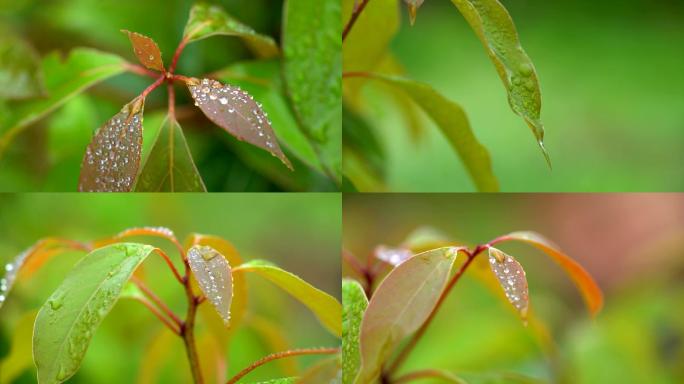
(610, 75)
(301, 233)
(633, 244)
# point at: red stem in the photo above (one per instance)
(280, 355)
(153, 86)
(140, 70)
(174, 328)
(176, 55)
(172, 99)
(352, 20)
(148, 292)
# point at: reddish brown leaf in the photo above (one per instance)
(512, 278)
(112, 159)
(146, 50)
(235, 110)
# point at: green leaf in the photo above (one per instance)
(364, 157)
(452, 121)
(63, 80)
(313, 62)
(212, 272)
(354, 304)
(400, 305)
(169, 166)
(20, 75)
(146, 50)
(325, 307)
(209, 20)
(495, 29)
(68, 320)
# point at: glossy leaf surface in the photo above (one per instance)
(20, 73)
(512, 279)
(209, 20)
(68, 320)
(212, 272)
(112, 159)
(235, 110)
(313, 62)
(452, 121)
(169, 166)
(585, 283)
(494, 27)
(400, 305)
(325, 307)
(354, 304)
(146, 50)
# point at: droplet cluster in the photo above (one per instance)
(11, 270)
(512, 278)
(393, 256)
(112, 158)
(236, 111)
(163, 231)
(213, 275)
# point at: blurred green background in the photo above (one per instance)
(47, 156)
(633, 244)
(299, 232)
(611, 81)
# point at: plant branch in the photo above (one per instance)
(280, 355)
(170, 264)
(157, 301)
(140, 70)
(176, 55)
(188, 328)
(358, 8)
(426, 373)
(153, 86)
(172, 100)
(173, 327)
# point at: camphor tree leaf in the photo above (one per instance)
(413, 6)
(212, 272)
(452, 121)
(67, 321)
(112, 159)
(235, 110)
(169, 166)
(20, 74)
(511, 276)
(325, 307)
(63, 80)
(146, 50)
(590, 290)
(313, 63)
(494, 27)
(354, 304)
(209, 20)
(400, 305)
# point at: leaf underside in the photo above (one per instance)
(146, 50)
(213, 275)
(112, 159)
(235, 110)
(511, 276)
(354, 304)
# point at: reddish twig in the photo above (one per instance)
(152, 86)
(280, 355)
(172, 100)
(358, 8)
(140, 70)
(176, 55)
(157, 301)
(182, 78)
(170, 264)
(173, 327)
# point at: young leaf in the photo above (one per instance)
(234, 110)
(413, 6)
(452, 121)
(325, 307)
(169, 166)
(208, 20)
(68, 320)
(495, 29)
(511, 276)
(20, 74)
(313, 63)
(63, 80)
(590, 290)
(112, 158)
(146, 50)
(354, 304)
(392, 256)
(400, 305)
(212, 272)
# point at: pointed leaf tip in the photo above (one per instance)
(146, 50)
(237, 112)
(511, 276)
(413, 6)
(213, 274)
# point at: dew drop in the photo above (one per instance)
(223, 101)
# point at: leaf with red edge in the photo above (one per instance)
(235, 110)
(212, 272)
(112, 159)
(590, 290)
(146, 50)
(511, 276)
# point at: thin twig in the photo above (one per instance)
(140, 70)
(153, 86)
(352, 20)
(280, 355)
(173, 327)
(152, 296)
(172, 100)
(176, 55)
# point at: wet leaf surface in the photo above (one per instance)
(146, 50)
(237, 112)
(325, 307)
(20, 73)
(512, 279)
(209, 20)
(67, 321)
(213, 275)
(494, 27)
(354, 304)
(112, 159)
(169, 166)
(400, 305)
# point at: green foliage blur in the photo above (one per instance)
(299, 233)
(633, 245)
(610, 75)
